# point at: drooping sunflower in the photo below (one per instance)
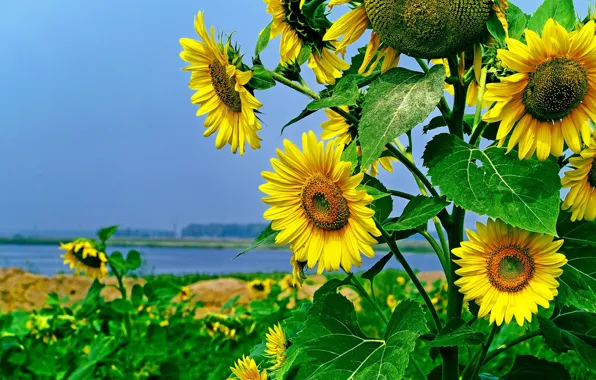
(221, 90)
(276, 345)
(83, 256)
(508, 271)
(338, 130)
(581, 199)
(297, 271)
(419, 28)
(246, 369)
(548, 101)
(297, 31)
(315, 205)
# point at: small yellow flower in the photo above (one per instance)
(86, 350)
(164, 323)
(392, 302)
(401, 280)
(246, 369)
(185, 294)
(276, 345)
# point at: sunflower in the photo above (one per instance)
(350, 27)
(83, 256)
(581, 200)
(315, 205)
(297, 271)
(548, 101)
(297, 31)
(392, 302)
(246, 369)
(276, 345)
(338, 130)
(508, 271)
(260, 289)
(221, 90)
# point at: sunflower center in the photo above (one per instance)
(510, 268)
(324, 203)
(89, 261)
(259, 287)
(555, 89)
(592, 175)
(225, 87)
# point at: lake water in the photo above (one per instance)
(46, 260)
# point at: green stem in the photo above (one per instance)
(455, 123)
(443, 240)
(484, 351)
(400, 257)
(122, 289)
(510, 344)
(400, 194)
(436, 247)
(293, 85)
(354, 281)
(478, 132)
(413, 168)
(417, 368)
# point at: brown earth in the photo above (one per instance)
(21, 290)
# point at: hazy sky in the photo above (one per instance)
(97, 124)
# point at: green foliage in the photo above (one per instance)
(105, 234)
(457, 333)
(344, 93)
(417, 212)
(517, 20)
(267, 236)
(396, 102)
(528, 367)
(489, 182)
(382, 205)
(561, 11)
(261, 79)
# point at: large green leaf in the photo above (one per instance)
(396, 102)
(517, 21)
(572, 330)
(527, 367)
(417, 212)
(350, 155)
(345, 93)
(333, 346)
(489, 182)
(261, 78)
(266, 237)
(263, 40)
(382, 205)
(562, 11)
(578, 281)
(106, 233)
(457, 333)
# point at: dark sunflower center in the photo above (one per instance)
(592, 175)
(555, 89)
(324, 203)
(258, 287)
(224, 87)
(303, 25)
(510, 268)
(89, 261)
(429, 28)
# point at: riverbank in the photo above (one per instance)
(411, 246)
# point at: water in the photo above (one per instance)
(46, 260)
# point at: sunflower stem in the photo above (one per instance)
(355, 283)
(404, 263)
(443, 239)
(413, 168)
(455, 122)
(436, 247)
(293, 85)
(510, 344)
(122, 289)
(400, 194)
(484, 351)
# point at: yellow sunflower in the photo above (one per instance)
(246, 369)
(548, 101)
(508, 271)
(220, 91)
(338, 130)
(297, 271)
(315, 205)
(581, 199)
(296, 32)
(82, 256)
(276, 345)
(350, 27)
(260, 289)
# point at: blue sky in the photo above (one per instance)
(97, 124)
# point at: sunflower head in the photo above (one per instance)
(259, 288)
(508, 271)
(429, 28)
(277, 345)
(581, 198)
(83, 256)
(297, 272)
(246, 369)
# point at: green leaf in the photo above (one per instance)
(160, 290)
(517, 21)
(528, 367)
(117, 260)
(333, 346)
(261, 79)
(133, 260)
(562, 11)
(417, 212)
(523, 193)
(266, 237)
(121, 306)
(350, 154)
(136, 295)
(102, 347)
(104, 234)
(435, 122)
(84, 371)
(457, 333)
(305, 113)
(572, 330)
(396, 102)
(377, 268)
(576, 234)
(376, 193)
(495, 28)
(382, 206)
(263, 40)
(345, 93)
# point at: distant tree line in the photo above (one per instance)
(215, 230)
(145, 232)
